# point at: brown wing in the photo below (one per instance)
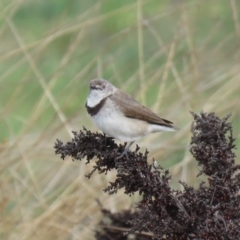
(132, 109)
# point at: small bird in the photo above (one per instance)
(120, 116)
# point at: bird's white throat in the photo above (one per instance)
(96, 96)
(93, 98)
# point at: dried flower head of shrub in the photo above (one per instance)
(212, 211)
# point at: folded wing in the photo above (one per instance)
(132, 109)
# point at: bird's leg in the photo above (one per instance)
(103, 142)
(125, 150)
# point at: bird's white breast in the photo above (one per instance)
(111, 121)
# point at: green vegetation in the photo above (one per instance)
(173, 56)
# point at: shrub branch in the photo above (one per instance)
(212, 211)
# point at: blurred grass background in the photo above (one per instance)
(174, 56)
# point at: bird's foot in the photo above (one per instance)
(104, 141)
(122, 154)
(126, 150)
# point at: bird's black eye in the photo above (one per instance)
(95, 87)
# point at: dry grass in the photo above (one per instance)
(173, 57)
